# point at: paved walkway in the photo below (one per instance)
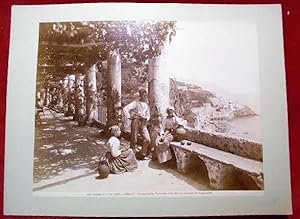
(66, 157)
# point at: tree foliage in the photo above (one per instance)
(72, 47)
(79, 43)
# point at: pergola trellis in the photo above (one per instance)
(62, 57)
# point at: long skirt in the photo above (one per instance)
(162, 148)
(126, 161)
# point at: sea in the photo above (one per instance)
(248, 127)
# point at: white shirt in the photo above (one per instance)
(114, 146)
(140, 108)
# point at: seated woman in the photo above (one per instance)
(162, 133)
(173, 123)
(120, 158)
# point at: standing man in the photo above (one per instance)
(139, 113)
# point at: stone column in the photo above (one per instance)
(71, 83)
(114, 88)
(60, 103)
(79, 99)
(65, 92)
(159, 83)
(91, 91)
(47, 95)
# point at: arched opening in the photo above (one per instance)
(234, 179)
(245, 182)
(198, 170)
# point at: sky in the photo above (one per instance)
(219, 56)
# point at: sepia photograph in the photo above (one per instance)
(183, 110)
(147, 108)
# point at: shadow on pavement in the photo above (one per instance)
(60, 145)
(197, 178)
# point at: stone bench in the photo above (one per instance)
(221, 166)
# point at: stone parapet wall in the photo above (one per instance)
(239, 146)
(235, 145)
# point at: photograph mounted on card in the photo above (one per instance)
(161, 110)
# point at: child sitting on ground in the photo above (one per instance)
(119, 159)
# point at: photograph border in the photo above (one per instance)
(18, 197)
